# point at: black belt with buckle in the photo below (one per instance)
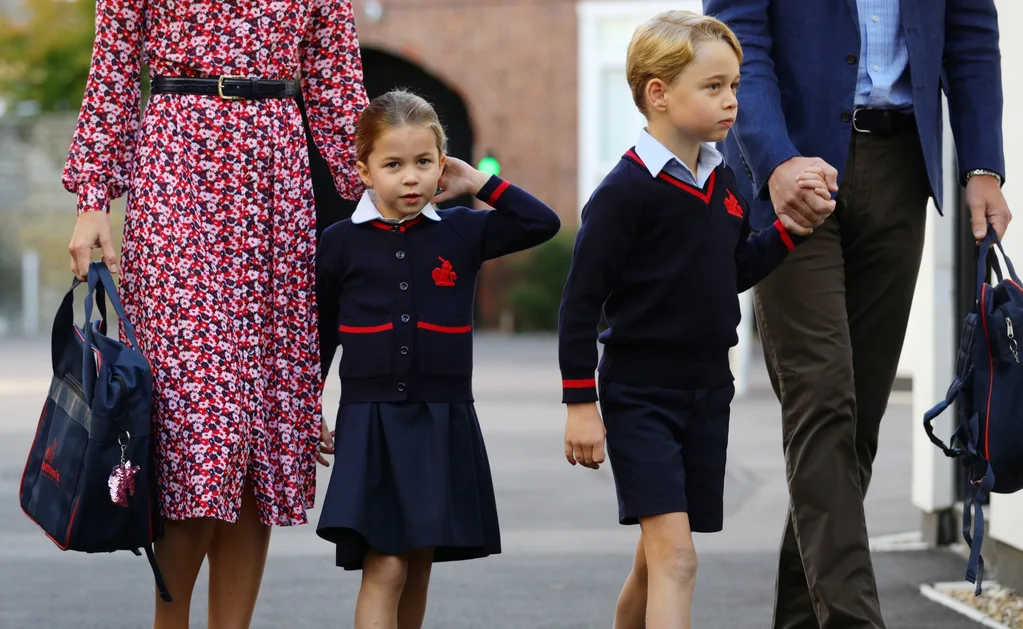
(226, 87)
(882, 121)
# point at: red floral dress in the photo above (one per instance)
(218, 250)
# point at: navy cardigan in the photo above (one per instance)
(399, 297)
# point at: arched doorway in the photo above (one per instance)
(384, 72)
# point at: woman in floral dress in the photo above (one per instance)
(217, 260)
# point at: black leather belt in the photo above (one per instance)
(882, 121)
(224, 87)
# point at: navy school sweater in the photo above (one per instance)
(399, 298)
(666, 262)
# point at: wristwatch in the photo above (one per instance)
(984, 171)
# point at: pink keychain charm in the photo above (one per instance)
(122, 478)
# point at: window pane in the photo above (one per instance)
(619, 120)
(613, 37)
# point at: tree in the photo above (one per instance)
(45, 58)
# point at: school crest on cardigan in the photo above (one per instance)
(444, 275)
(732, 205)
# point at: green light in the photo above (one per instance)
(489, 165)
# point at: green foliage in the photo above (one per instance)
(45, 58)
(535, 298)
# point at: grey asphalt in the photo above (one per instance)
(565, 555)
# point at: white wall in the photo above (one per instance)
(928, 353)
(1007, 511)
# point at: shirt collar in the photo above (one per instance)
(367, 211)
(656, 156)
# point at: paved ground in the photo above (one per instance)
(565, 555)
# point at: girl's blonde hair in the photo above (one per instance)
(394, 109)
(663, 47)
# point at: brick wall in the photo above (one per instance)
(514, 65)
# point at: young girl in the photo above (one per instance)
(396, 283)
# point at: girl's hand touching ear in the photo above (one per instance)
(459, 178)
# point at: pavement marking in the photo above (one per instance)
(935, 593)
(898, 542)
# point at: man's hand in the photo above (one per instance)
(798, 209)
(987, 206)
(584, 435)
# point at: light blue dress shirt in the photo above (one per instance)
(883, 80)
(657, 157)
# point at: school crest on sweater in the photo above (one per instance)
(444, 275)
(732, 205)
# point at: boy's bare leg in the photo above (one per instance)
(631, 611)
(671, 568)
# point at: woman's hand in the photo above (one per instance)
(92, 231)
(326, 443)
(459, 178)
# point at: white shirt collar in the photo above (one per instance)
(367, 211)
(656, 156)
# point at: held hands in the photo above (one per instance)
(584, 435)
(326, 443)
(987, 205)
(800, 203)
(457, 179)
(92, 231)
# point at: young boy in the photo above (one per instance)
(665, 248)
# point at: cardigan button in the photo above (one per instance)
(401, 387)
(404, 350)
(405, 318)
(400, 255)
(403, 286)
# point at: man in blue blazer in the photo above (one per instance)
(854, 87)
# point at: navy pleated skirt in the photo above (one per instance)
(410, 475)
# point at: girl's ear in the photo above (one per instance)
(364, 174)
(443, 161)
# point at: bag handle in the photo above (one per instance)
(953, 392)
(100, 282)
(991, 238)
(63, 324)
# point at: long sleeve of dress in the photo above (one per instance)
(103, 146)
(333, 90)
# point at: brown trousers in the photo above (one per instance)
(832, 320)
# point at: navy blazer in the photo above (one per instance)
(799, 83)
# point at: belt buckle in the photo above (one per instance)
(855, 127)
(220, 86)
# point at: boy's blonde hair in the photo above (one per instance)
(662, 47)
(394, 109)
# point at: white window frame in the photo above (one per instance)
(592, 63)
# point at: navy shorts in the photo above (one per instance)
(667, 449)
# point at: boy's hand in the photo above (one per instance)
(811, 181)
(457, 179)
(798, 210)
(584, 435)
